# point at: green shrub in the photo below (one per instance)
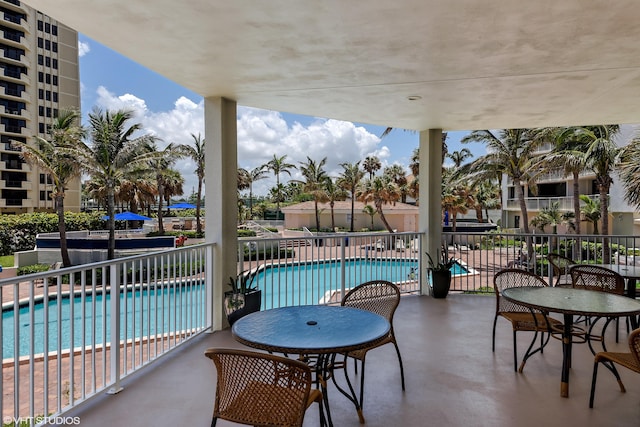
(30, 269)
(246, 233)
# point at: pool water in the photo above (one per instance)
(149, 310)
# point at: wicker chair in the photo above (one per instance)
(628, 360)
(521, 318)
(261, 389)
(381, 297)
(594, 278)
(561, 265)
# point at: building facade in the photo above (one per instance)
(39, 75)
(556, 187)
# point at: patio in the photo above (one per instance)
(453, 379)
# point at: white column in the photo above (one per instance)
(221, 170)
(430, 203)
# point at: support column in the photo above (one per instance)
(221, 217)
(430, 203)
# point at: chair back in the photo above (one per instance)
(513, 278)
(596, 278)
(378, 296)
(260, 389)
(634, 344)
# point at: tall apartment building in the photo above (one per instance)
(39, 75)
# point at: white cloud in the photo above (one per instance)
(83, 48)
(261, 134)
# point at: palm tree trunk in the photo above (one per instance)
(160, 200)
(198, 204)
(111, 223)
(333, 221)
(604, 209)
(62, 229)
(317, 216)
(382, 217)
(525, 220)
(576, 212)
(353, 209)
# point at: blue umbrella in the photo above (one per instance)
(182, 206)
(128, 216)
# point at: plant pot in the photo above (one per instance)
(440, 283)
(250, 304)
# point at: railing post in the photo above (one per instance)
(114, 333)
(343, 266)
(208, 274)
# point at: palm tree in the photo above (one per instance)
(371, 165)
(590, 211)
(196, 153)
(60, 166)
(602, 157)
(459, 157)
(510, 152)
(334, 194)
(256, 174)
(166, 181)
(371, 211)
(279, 165)
(348, 181)
(314, 184)
(380, 190)
(112, 155)
(399, 176)
(486, 196)
(630, 171)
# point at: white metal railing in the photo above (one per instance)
(539, 203)
(317, 269)
(72, 332)
(484, 254)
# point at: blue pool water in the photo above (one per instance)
(149, 307)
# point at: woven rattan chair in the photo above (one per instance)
(629, 360)
(261, 389)
(521, 318)
(561, 265)
(381, 297)
(594, 278)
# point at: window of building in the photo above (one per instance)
(47, 44)
(41, 178)
(40, 42)
(55, 96)
(42, 195)
(40, 76)
(41, 127)
(55, 112)
(47, 61)
(54, 64)
(55, 80)
(47, 78)
(54, 46)
(48, 95)
(54, 30)
(40, 25)
(40, 93)
(41, 111)
(48, 111)
(40, 60)
(47, 27)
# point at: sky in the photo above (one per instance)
(110, 81)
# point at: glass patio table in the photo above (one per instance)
(570, 302)
(629, 272)
(314, 331)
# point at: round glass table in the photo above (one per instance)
(314, 330)
(570, 302)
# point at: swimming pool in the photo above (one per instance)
(312, 282)
(167, 309)
(149, 312)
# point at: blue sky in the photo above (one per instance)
(111, 81)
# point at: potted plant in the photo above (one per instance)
(243, 298)
(440, 274)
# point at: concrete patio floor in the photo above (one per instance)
(452, 379)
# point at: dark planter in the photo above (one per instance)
(440, 282)
(252, 302)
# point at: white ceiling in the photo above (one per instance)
(475, 64)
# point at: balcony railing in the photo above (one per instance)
(63, 343)
(539, 203)
(161, 300)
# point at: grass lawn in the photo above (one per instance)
(6, 261)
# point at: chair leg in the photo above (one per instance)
(593, 384)
(515, 352)
(400, 362)
(493, 341)
(362, 382)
